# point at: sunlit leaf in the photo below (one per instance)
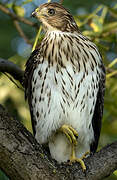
(96, 25)
(9, 5)
(26, 2)
(110, 26)
(115, 173)
(20, 11)
(113, 12)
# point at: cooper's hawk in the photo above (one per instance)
(64, 84)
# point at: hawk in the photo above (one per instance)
(64, 84)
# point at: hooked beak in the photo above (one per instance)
(36, 13)
(33, 14)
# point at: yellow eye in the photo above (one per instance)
(51, 12)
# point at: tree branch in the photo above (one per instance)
(18, 18)
(61, 1)
(19, 29)
(111, 72)
(21, 157)
(12, 69)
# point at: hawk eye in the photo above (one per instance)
(51, 12)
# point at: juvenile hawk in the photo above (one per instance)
(64, 84)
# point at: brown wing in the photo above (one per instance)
(98, 112)
(30, 67)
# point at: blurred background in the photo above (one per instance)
(97, 20)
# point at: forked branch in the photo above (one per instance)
(15, 17)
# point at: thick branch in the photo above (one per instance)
(21, 157)
(12, 69)
(15, 17)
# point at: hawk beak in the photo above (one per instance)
(36, 13)
(33, 14)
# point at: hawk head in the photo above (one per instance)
(55, 17)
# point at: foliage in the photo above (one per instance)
(99, 25)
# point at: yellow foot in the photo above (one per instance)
(85, 155)
(75, 159)
(71, 133)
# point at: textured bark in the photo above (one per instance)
(22, 158)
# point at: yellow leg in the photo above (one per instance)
(70, 133)
(73, 158)
(72, 136)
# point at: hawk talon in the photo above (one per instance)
(79, 160)
(70, 133)
(85, 155)
(73, 158)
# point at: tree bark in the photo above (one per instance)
(22, 158)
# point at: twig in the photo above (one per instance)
(15, 17)
(111, 73)
(114, 73)
(37, 38)
(12, 69)
(112, 63)
(19, 29)
(61, 1)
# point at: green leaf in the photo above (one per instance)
(113, 12)
(27, 1)
(110, 26)
(96, 24)
(20, 11)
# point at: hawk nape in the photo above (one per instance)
(64, 83)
